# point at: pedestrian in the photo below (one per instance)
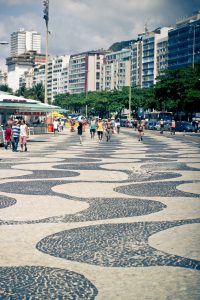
(55, 127)
(80, 131)
(117, 126)
(24, 134)
(140, 132)
(15, 135)
(108, 127)
(100, 127)
(84, 123)
(8, 136)
(173, 127)
(135, 124)
(72, 124)
(161, 126)
(92, 128)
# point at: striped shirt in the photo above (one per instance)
(15, 131)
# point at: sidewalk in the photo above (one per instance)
(117, 220)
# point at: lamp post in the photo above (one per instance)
(3, 43)
(130, 93)
(46, 17)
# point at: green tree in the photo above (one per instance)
(6, 88)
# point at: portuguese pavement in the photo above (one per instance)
(116, 220)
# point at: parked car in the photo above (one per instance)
(167, 126)
(1, 137)
(150, 125)
(184, 126)
(123, 122)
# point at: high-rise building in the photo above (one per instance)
(57, 81)
(184, 42)
(136, 62)
(23, 41)
(85, 71)
(115, 72)
(19, 64)
(3, 77)
(57, 76)
(151, 41)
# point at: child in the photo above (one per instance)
(8, 135)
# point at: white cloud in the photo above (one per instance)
(80, 25)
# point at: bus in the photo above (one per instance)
(157, 116)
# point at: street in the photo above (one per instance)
(112, 220)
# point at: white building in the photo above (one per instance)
(136, 63)
(18, 65)
(3, 77)
(23, 41)
(57, 76)
(115, 72)
(57, 81)
(85, 71)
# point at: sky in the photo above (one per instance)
(81, 25)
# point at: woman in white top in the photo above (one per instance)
(23, 135)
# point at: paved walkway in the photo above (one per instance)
(117, 220)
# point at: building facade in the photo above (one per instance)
(18, 65)
(85, 71)
(153, 46)
(23, 41)
(116, 70)
(136, 63)
(3, 77)
(184, 42)
(57, 76)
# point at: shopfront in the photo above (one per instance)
(34, 112)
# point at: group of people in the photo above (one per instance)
(58, 126)
(16, 132)
(101, 127)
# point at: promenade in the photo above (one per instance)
(117, 220)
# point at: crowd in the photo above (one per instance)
(96, 125)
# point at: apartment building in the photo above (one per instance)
(153, 45)
(57, 76)
(18, 65)
(85, 71)
(136, 62)
(23, 41)
(116, 70)
(184, 42)
(3, 77)
(26, 79)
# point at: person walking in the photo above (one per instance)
(55, 126)
(140, 132)
(92, 128)
(173, 127)
(24, 134)
(80, 131)
(15, 135)
(161, 126)
(108, 126)
(100, 128)
(117, 126)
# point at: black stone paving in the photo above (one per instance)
(31, 282)
(115, 245)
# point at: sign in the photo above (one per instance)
(14, 100)
(140, 112)
(30, 113)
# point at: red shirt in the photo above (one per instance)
(8, 133)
